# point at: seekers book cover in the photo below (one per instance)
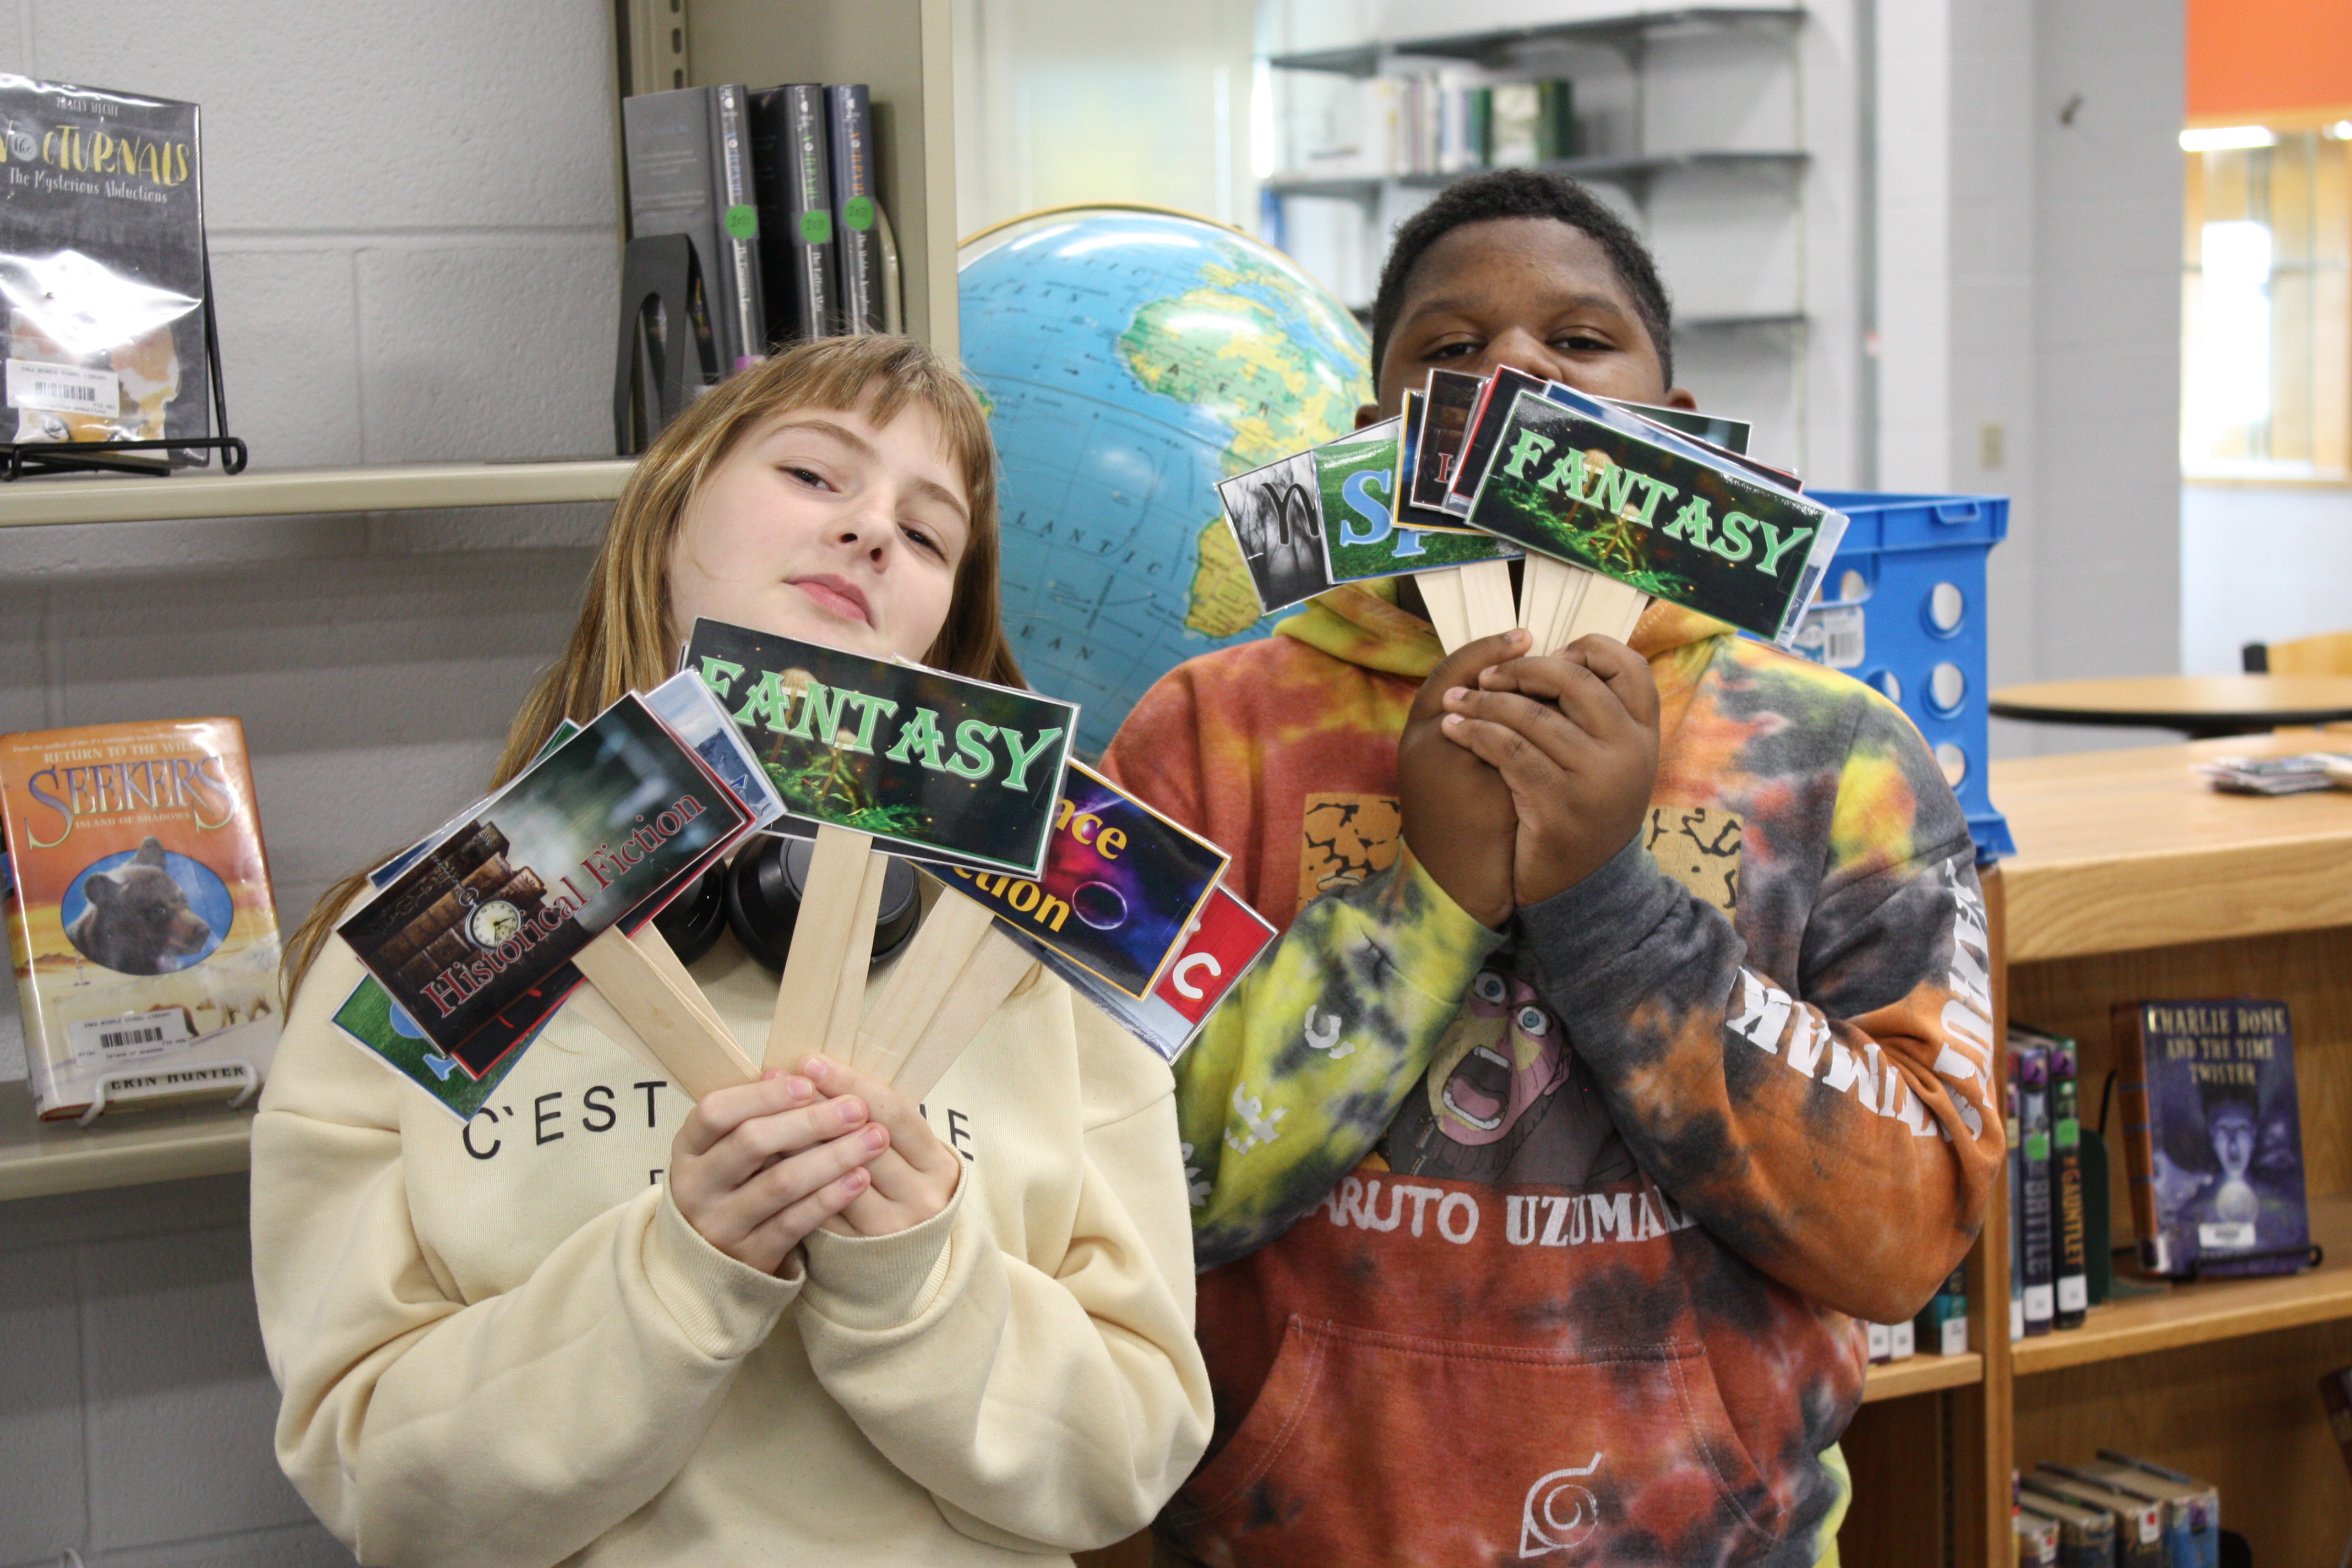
(142, 925)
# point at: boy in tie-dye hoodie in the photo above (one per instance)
(1628, 1041)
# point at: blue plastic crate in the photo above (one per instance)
(1903, 608)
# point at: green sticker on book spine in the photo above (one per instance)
(743, 222)
(858, 212)
(817, 228)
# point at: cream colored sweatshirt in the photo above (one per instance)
(501, 1343)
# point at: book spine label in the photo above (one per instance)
(854, 196)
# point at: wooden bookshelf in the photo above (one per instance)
(1921, 1374)
(283, 492)
(43, 1158)
(2210, 1311)
(2133, 880)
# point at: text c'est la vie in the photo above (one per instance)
(548, 1119)
(846, 721)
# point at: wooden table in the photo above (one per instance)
(2199, 706)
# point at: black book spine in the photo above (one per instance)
(856, 200)
(2038, 1240)
(739, 225)
(793, 178)
(2072, 1266)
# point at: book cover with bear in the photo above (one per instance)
(142, 923)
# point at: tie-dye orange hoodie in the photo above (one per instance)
(1548, 1245)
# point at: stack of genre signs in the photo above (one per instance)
(473, 938)
(1611, 504)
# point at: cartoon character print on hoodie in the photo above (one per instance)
(1599, 1273)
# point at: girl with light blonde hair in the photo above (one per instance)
(802, 1319)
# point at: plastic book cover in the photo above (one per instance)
(2192, 1536)
(101, 265)
(474, 937)
(2072, 1281)
(2138, 1523)
(2037, 1235)
(1120, 888)
(2086, 1536)
(1636, 509)
(2212, 1136)
(936, 767)
(683, 179)
(855, 197)
(793, 171)
(2015, 1188)
(143, 926)
(1361, 538)
(1277, 524)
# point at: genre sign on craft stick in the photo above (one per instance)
(1430, 518)
(875, 752)
(476, 938)
(1121, 885)
(1652, 517)
(1444, 422)
(1277, 525)
(934, 767)
(1463, 577)
(1216, 953)
(1122, 889)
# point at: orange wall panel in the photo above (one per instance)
(2253, 58)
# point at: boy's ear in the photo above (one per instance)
(1680, 397)
(1369, 413)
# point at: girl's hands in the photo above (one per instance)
(755, 1168)
(913, 1176)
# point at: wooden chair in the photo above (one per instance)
(2328, 654)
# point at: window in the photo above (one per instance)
(2266, 303)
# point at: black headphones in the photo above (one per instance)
(759, 898)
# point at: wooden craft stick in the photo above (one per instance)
(824, 984)
(1549, 593)
(659, 952)
(978, 992)
(911, 998)
(1609, 608)
(1449, 611)
(698, 1056)
(1466, 603)
(1486, 592)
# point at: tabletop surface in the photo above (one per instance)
(2119, 850)
(2288, 698)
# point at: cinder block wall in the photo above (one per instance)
(412, 210)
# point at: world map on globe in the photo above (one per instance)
(1129, 360)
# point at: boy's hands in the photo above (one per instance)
(755, 1168)
(1573, 741)
(1459, 818)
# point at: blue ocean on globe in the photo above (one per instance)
(1129, 360)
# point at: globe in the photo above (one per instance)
(1129, 358)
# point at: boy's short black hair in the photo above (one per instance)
(1525, 192)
